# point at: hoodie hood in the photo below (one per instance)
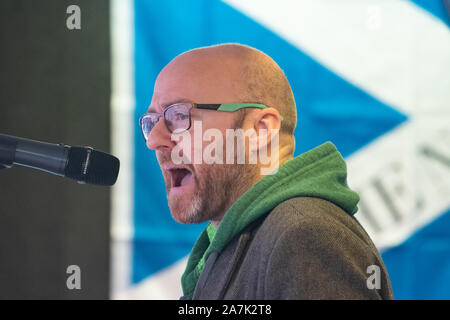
(320, 172)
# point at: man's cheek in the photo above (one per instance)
(182, 152)
(213, 152)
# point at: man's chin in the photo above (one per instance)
(184, 209)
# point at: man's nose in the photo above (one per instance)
(159, 137)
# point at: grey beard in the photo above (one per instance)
(219, 189)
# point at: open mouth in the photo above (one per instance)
(180, 177)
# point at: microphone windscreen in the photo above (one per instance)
(102, 168)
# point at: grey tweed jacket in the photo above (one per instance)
(305, 248)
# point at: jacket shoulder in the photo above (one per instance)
(312, 249)
(304, 214)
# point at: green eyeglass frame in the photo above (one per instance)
(146, 127)
(231, 107)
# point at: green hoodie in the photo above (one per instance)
(320, 172)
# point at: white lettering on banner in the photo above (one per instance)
(406, 181)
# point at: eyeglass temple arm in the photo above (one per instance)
(231, 107)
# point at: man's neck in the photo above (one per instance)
(249, 180)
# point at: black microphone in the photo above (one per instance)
(83, 164)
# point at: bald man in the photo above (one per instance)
(280, 227)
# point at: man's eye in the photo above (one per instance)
(182, 116)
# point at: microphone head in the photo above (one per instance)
(90, 166)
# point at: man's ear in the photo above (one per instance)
(265, 122)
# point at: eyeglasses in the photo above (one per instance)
(177, 117)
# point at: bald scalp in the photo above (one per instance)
(257, 78)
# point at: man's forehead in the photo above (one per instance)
(195, 77)
(172, 86)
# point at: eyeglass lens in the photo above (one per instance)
(176, 118)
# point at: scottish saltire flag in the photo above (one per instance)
(370, 76)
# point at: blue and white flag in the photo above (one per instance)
(370, 76)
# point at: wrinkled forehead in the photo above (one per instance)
(199, 79)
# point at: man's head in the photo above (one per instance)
(222, 74)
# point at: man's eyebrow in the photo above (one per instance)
(165, 105)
